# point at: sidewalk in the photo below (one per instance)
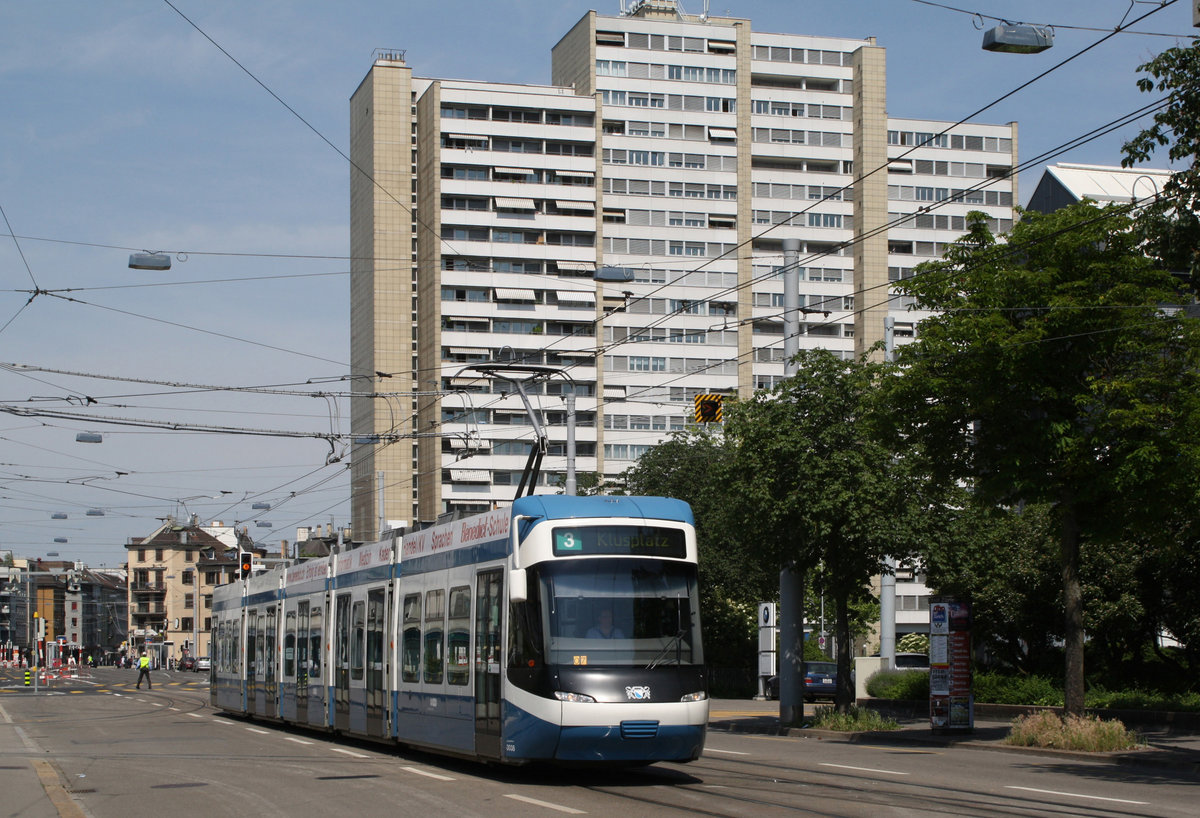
(1167, 748)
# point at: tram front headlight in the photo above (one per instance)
(564, 696)
(698, 696)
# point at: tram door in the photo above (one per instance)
(302, 661)
(376, 690)
(251, 663)
(260, 664)
(341, 664)
(270, 660)
(489, 607)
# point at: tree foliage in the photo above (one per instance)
(691, 465)
(1170, 226)
(1051, 374)
(815, 485)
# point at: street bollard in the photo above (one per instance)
(27, 682)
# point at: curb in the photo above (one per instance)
(1146, 757)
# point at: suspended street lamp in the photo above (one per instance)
(1018, 38)
(149, 261)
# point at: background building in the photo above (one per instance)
(172, 573)
(1066, 184)
(684, 150)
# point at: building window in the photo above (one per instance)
(158, 555)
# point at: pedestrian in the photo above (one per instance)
(144, 671)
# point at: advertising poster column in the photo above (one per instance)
(951, 701)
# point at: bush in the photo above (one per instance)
(1137, 699)
(907, 685)
(913, 643)
(995, 688)
(857, 718)
(1086, 733)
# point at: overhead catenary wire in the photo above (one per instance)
(983, 16)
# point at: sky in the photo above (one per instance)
(147, 125)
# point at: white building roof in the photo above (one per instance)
(1109, 184)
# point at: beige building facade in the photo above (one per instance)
(678, 149)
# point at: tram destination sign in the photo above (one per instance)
(632, 540)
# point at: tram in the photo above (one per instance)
(560, 629)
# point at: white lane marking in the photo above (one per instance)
(159, 704)
(427, 774)
(223, 721)
(349, 752)
(862, 769)
(1078, 795)
(297, 740)
(546, 804)
(176, 709)
(726, 752)
(196, 715)
(260, 732)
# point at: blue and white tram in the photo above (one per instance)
(560, 629)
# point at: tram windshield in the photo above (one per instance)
(631, 612)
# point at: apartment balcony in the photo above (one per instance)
(148, 587)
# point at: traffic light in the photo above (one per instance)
(245, 564)
(708, 408)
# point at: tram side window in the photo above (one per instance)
(289, 644)
(458, 639)
(358, 636)
(235, 647)
(435, 616)
(316, 635)
(410, 663)
(341, 658)
(251, 638)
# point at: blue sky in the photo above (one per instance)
(124, 129)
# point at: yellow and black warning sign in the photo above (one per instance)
(709, 408)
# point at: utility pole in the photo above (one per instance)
(791, 577)
(887, 581)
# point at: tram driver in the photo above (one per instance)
(604, 629)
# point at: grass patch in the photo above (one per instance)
(856, 720)
(1086, 733)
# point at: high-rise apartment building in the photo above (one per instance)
(684, 150)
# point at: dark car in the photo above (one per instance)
(912, 661)
(187, 663)
(820, 682)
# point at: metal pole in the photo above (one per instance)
(571, 488)
(196, 607)
(887, 581)
(791, 578)
(791, 646)
(791, 304)
(382, 516)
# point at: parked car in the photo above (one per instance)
(187, 663)
(202, 664)
(912, 661)
(820, 682)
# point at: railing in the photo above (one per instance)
(148, 586)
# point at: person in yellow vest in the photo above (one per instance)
(144, 671)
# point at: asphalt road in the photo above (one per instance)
(97, 747)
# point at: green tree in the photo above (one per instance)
(690, 465)
(1052, 374)
(1003, 561)
(1170, 226)
(813, 484)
